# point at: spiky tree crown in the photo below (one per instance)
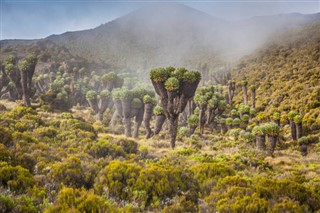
(193, 120)
(158, 110)
(116, 94)
(126, 94)
(244, 83)
(236, 121)
(253, 87)
(304, 140)
(259, 130)
(179, 73)
(229, 121)
(245, 117)
(149, 99)
(108, 77)
(292, 114)
(10, 68)
(297, 119)
(136, 103)
(234, 112)
(252, 111)
(192, 76)
(105, 94)
(222, 120)
(159, 74)
(272, 129)
(201, 100)
(276, 115)
(91, 95)
(172, 84)
(243, 108)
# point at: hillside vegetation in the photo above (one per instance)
(286, 74)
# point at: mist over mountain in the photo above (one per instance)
(164, 34)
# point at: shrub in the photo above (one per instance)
(5, 136)
(16, 178)
(76, 200)
(119, 178)
(6, 203)
(128, 145)
(103, 148)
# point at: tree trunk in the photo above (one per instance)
(253, 99)
(192, 130)
(25, 90)
(138, 121)
(159, 122)
(114, 119)
(94, 105)
(127, 126)
(202, 119)
(148, 111)
(100, 115)
(245, 94)
(293, 130)
(304, 149)
(272, 142)
(223, 128)
(260, 142)
(173, 129)
(299, 130)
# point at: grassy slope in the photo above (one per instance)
(287, 74)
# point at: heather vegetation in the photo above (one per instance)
(73, 139)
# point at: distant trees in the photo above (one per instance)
(100, 102)
(21, 73)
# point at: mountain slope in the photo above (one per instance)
(164, 34)
(161, 34)
(287, 74)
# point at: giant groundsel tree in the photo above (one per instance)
(175, 88)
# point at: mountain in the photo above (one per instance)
(287, 74)
(163, 34)
(156, 35)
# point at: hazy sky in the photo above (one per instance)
(28, 19)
